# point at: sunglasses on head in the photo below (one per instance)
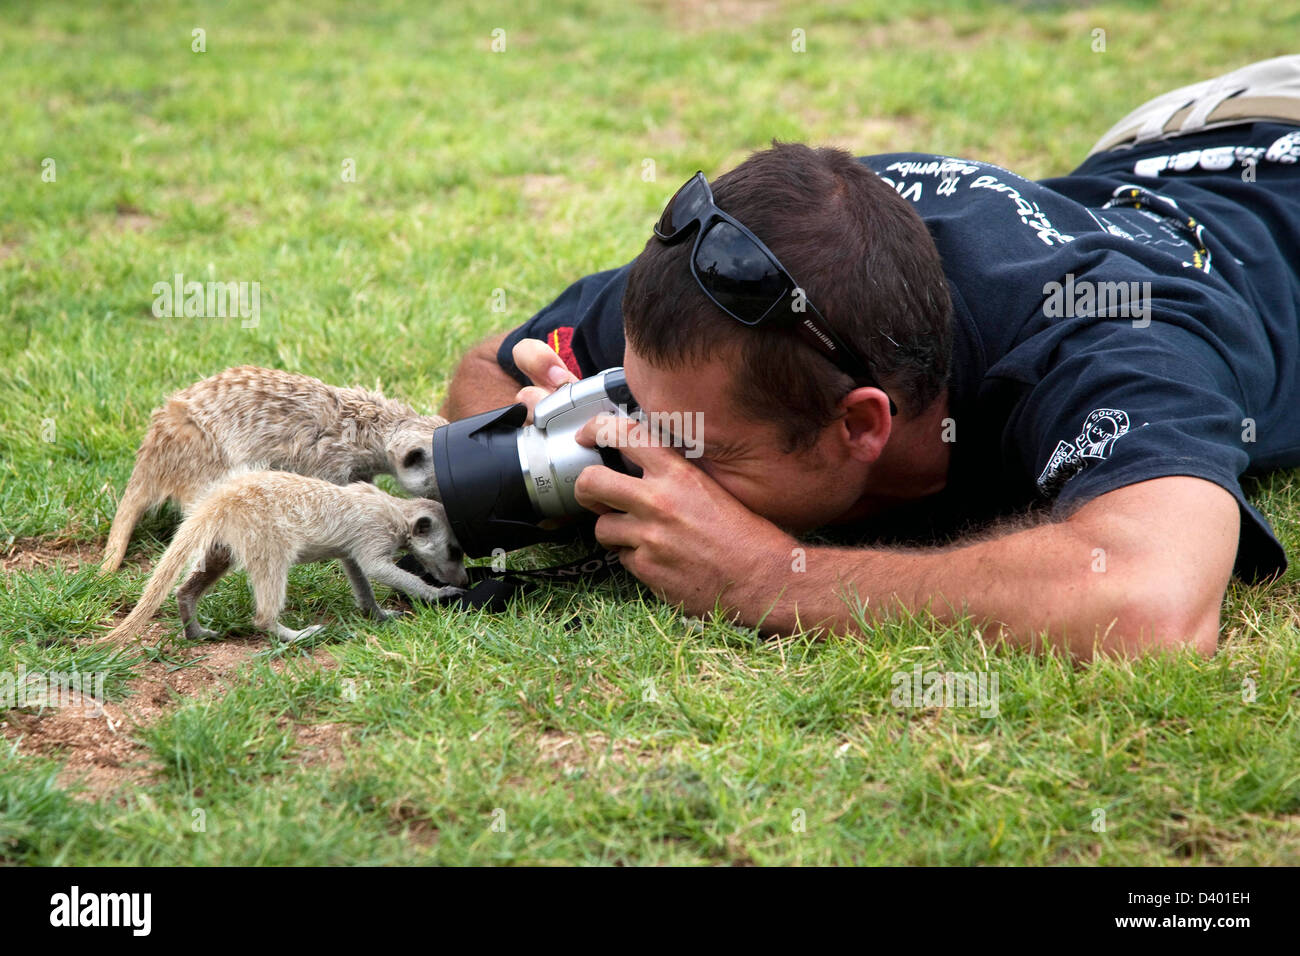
(743, 278)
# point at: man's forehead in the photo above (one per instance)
(701, 392)
(698, 388)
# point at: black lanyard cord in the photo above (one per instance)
(491, 590)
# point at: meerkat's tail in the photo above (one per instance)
(136, 500)
(193, 535)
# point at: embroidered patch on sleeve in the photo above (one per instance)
(561, 340)
(1096, 438)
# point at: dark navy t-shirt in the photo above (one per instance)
(1137, 319)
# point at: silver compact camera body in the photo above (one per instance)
(550, 457)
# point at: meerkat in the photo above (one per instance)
(268, 521)
(264, 418)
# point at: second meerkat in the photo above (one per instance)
(265, 522)
(265, 418)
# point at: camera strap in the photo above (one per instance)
(491, 590)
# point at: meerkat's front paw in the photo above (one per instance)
(421, 593)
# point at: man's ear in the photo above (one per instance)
(866, 423)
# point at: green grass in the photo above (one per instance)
(590, 724)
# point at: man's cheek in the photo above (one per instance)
(794, 504)
(756, 498)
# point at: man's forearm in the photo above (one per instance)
(479, 384)
(838, 587)
(1050, 584)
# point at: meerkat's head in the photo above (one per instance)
(433, 544)
(410, 456)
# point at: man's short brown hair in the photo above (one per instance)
(862, 256)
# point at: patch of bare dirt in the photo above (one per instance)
(322, 744)
(132, 219)
(92, 742)
(98, 742)
(28, 553)
(99, 745)
(405, 818)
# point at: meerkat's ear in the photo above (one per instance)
(422, 527)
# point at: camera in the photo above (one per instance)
(507, 485)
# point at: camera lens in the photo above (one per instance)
(505, 484)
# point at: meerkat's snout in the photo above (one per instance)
(410, 455)
(435, 547)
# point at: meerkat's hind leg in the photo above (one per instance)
(215, 563)
(362, 591)
(268, 582)
(144, 491)
(289, 635)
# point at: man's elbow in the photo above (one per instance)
(1159, 618)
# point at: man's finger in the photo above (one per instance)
(530, 395)
(617, 531)
(539, 362)
(599, 488)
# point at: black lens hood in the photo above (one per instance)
(481, 483)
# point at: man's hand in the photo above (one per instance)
(677, 529)
(480, 384)
(544, 369)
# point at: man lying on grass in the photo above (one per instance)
(1034, 399)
